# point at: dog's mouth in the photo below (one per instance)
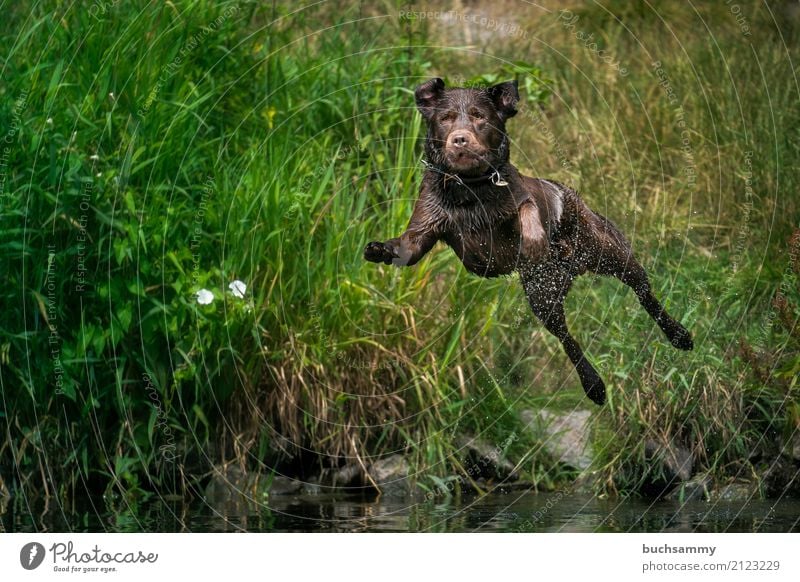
(466, 161)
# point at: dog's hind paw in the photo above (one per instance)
(596, 391)
(682, 339)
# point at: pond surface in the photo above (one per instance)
(512, 512)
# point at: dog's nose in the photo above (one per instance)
(460, 139)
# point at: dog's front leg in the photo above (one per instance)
(421, 234)
(534, 244)
(403, 251)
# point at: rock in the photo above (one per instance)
(789, 448)
(506, 487)
(232, 492)
(391, 475)
(230, 483)
(781, 478)
(565, 436)
(311, 487)
(696, 489)
(347, 476)
(737, 491)
(280, 485)
(389, 469)
(587, 483)
(666, 465)
(677, 462)
(481, 459)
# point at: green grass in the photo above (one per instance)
(713, 228)
(234, 143)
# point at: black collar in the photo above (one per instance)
(492, 176)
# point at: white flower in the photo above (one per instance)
(98, 174)
(111, 95)
(204, 296)
(94, 157)
(49, 121)
(238, 289)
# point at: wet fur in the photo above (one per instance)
(539, 228)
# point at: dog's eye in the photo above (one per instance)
(476, 114)
(448, 116)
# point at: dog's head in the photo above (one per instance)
(466, 127)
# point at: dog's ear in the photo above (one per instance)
(505, 97)
(427, 96)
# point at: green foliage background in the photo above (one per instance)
(157, 149)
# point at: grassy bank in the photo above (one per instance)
(688, 141)
(155, 151)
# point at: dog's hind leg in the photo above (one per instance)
(546, 293)
(635, 277)
(616, 258)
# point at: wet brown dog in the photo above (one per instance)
(498, 221)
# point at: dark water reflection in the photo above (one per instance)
(519, 511)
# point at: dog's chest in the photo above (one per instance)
(487, 245)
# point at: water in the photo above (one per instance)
(513, 512)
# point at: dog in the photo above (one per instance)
(498, 221)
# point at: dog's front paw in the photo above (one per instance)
(378, 252)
